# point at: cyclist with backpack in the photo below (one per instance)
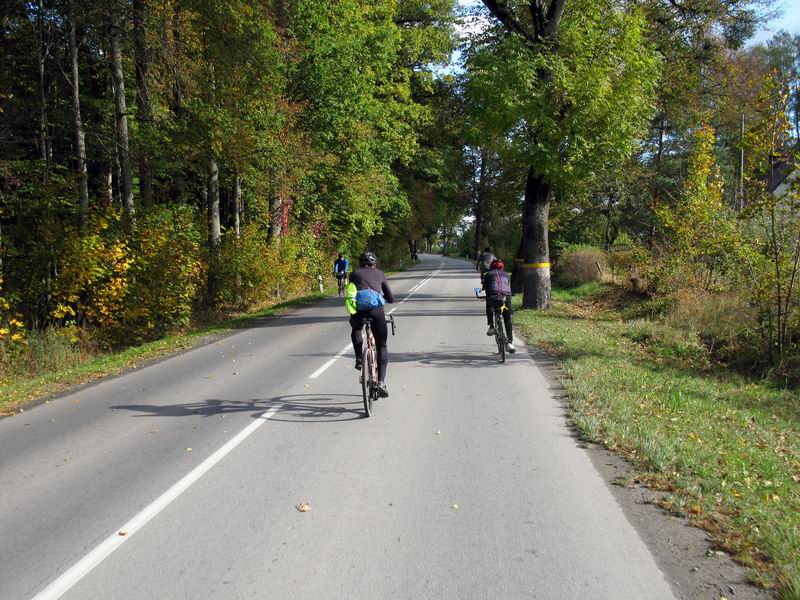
(340, 268)
(497, 285)
(365, 296)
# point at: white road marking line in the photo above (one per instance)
(342, 352)
(80, 569)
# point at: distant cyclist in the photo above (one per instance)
(497, 285)
(484, 261)
(371, 291)
(340, 268)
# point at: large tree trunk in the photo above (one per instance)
(144, 112)
(44, 126)
(80, 143)
(123, 147)
(536, 269)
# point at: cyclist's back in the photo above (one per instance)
(372, 278)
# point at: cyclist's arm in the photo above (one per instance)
(387, 291)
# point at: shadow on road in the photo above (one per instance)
(296, 408)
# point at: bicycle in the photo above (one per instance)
(498, 306)
(340, 277)
(369, 365)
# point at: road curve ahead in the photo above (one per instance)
(182, 480)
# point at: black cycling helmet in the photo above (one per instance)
(368, 259)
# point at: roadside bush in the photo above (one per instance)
(13, 340)
(54, 349)
(725, 322)
(245, 269)
(166, 272)
(578, 266)
(254, 271)
(128, 292)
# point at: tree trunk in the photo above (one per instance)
(214, 230)
(123, 148)
(237, 205)
(44, 126)
(536, 269)
(479, 206)
(80, 143)
(144, 112)
(212, 193)
(176, 104)
(516, 275)
(280, 215)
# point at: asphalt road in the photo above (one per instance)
(181, 480)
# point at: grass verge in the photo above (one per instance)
(726, 448)
(19, 390)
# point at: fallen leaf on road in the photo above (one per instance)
(122, 533)
(303, 507)
(76, 401)
(154, 431)
(306, 385)
(454, 507)
(188, 449)
(437, 433)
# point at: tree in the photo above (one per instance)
(571, 84)
(144, 110)
(121, 111)
(80, 138)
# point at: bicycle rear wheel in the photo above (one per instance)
(500, 336)
(367, 384)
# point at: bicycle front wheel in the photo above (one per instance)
(366, 380)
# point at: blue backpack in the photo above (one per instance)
(369, 299)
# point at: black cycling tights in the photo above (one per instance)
(379, 331)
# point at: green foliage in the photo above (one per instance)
(702, 234)
(771, 222)
(255, 271)
(132, 290)
(165, 274)
(573, 110)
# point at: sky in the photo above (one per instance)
(789, 21)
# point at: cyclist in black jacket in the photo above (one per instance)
(369, 277)
(497, 285)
